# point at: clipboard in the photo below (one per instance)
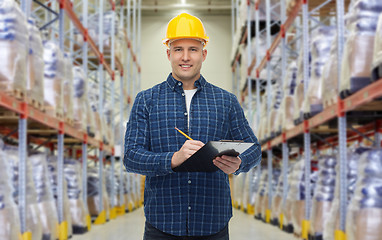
(201, 161)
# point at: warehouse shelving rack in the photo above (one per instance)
(33, 123)
(363, 100)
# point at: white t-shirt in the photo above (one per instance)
(189, 94)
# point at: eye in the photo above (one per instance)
(177, 49)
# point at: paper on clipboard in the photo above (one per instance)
(201, 161)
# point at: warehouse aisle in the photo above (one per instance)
(130, 227)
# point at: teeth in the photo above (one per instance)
(185, 65)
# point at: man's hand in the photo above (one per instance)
(227, 164)
(188, 148)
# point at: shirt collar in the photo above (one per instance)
(173, 83)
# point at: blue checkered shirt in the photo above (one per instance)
(181, 203)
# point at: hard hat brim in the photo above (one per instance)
(166, 41)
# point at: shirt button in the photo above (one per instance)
(179, 84)
(189, 208)
(189, 181)
(183, 94)
(185, 114)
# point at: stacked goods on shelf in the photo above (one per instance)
(299, 91)
(329, 81)
(67, 89)
(322, 39)
(287, 105)
(80, 102)
(127, 192)
(275, 118)
(32, 212)
(13, 49)
(260, 196)
(296, 193)
(45, 200)
(377, 54)
(361, 23)
(238, 194)
(53, 177)
(323, 195)
(253, 187)
(93, 193)
(263, 119)
(286, 207)
(107, 122)
(35, 67)
(93, 99)
(265, 203)
(277, 200)
(53, 79)
(333, 222)
(93, 31)
(78, 212)
(364, 216)
(9, 213)
(109, 185)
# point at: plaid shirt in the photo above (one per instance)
(185, 204)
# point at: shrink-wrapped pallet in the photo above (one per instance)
(32, 213)
(377, 53)
(333, 221)
(78, 212)
(35, 67)
(79, 98)
(297, 194)
(94, 194)
(321, 42)
(260, 196)
(13, 49)
(68, 89)
(287, 105)
(329, 81)
(53, 79)
(364, 216)
(238, 186)
(93, 99)
(286, 207)
(9, 213)
(45, 200)
(323, 195)
(254, 185)
(277, 200)
(52, 162)
(361, 23)
(298, 98)
(110, 187)
(265, 203)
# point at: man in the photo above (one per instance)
(186, 205)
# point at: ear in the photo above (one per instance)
(204, 54)
(168, 54)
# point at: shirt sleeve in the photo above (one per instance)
(137, 156)
(240, 130)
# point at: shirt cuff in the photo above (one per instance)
(166, 164)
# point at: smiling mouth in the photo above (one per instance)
(185, 66)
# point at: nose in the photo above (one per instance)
(186, 55)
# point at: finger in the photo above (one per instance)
(195, 142)
(222, 166)
(231, 159)
(223, 163)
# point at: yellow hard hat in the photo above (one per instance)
(185, 26)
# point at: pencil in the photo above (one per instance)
(183, 134)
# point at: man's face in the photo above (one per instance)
(186, 57)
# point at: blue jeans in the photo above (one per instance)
(151, 233)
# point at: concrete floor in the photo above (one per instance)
(130, 227)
